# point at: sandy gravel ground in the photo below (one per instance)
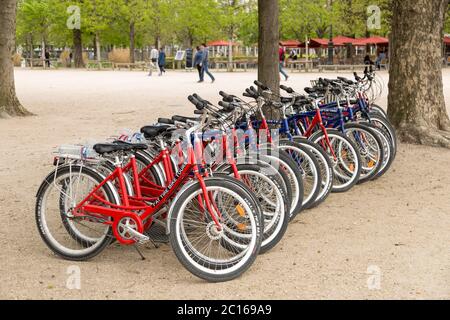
(398, 226)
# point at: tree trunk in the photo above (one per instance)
(43, 48)
(98, 48)
(268, 45)
(158, 42)
(30, 47)
(132, 43)
(416, 98)
(9, 104)
(78, 49)
(230, 55)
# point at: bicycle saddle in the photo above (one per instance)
(153, 131)
(134, 146)
(103, 148)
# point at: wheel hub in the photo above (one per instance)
(213, 231)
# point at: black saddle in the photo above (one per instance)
(104, 148)
(153, 131)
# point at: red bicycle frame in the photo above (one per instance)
(140, 208)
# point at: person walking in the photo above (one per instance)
(162, 61)
(381, 57)
(205, 68)
(47, 58)
(154, 54)
(198, 58)
(282, 57)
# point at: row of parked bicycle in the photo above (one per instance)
(220, 186)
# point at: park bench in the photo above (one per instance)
(39, 63)
(137, 65)
(300, 65)
(98, 65)
(237, 64)
(341, 67)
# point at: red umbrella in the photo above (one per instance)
(220, 43)
(372, 40)
(290, 43)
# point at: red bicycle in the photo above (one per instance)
(79, 212)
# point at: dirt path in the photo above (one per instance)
(397, 226)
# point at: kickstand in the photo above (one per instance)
(139, 251)
(154, 243)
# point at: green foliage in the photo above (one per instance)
(304, 18)
(33, 19)
(196, 21)
(353, 15)
(189, 22)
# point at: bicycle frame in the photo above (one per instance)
(146, 207)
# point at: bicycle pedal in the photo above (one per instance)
(139, 237)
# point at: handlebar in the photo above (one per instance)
(261, 85)
(287, 89)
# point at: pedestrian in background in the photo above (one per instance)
(205, 68)
(198, 58)
(154, 54)
(282, 58)
(162, 61)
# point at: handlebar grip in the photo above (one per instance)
(261, 85)
(245, 94)
(166, 121)
(196, 96)
(224, 94)
(201, 99)
(194, 100)
(252, 93)
(179, 119)
(199, 105)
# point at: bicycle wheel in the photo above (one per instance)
(284, 163)
(266, 184)
(309, 168)
(370, 148)
(197, 240)
(326, 169)
(377, 109)
(73, 237)
(388, 149)
(385, 125)
(344, 156)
